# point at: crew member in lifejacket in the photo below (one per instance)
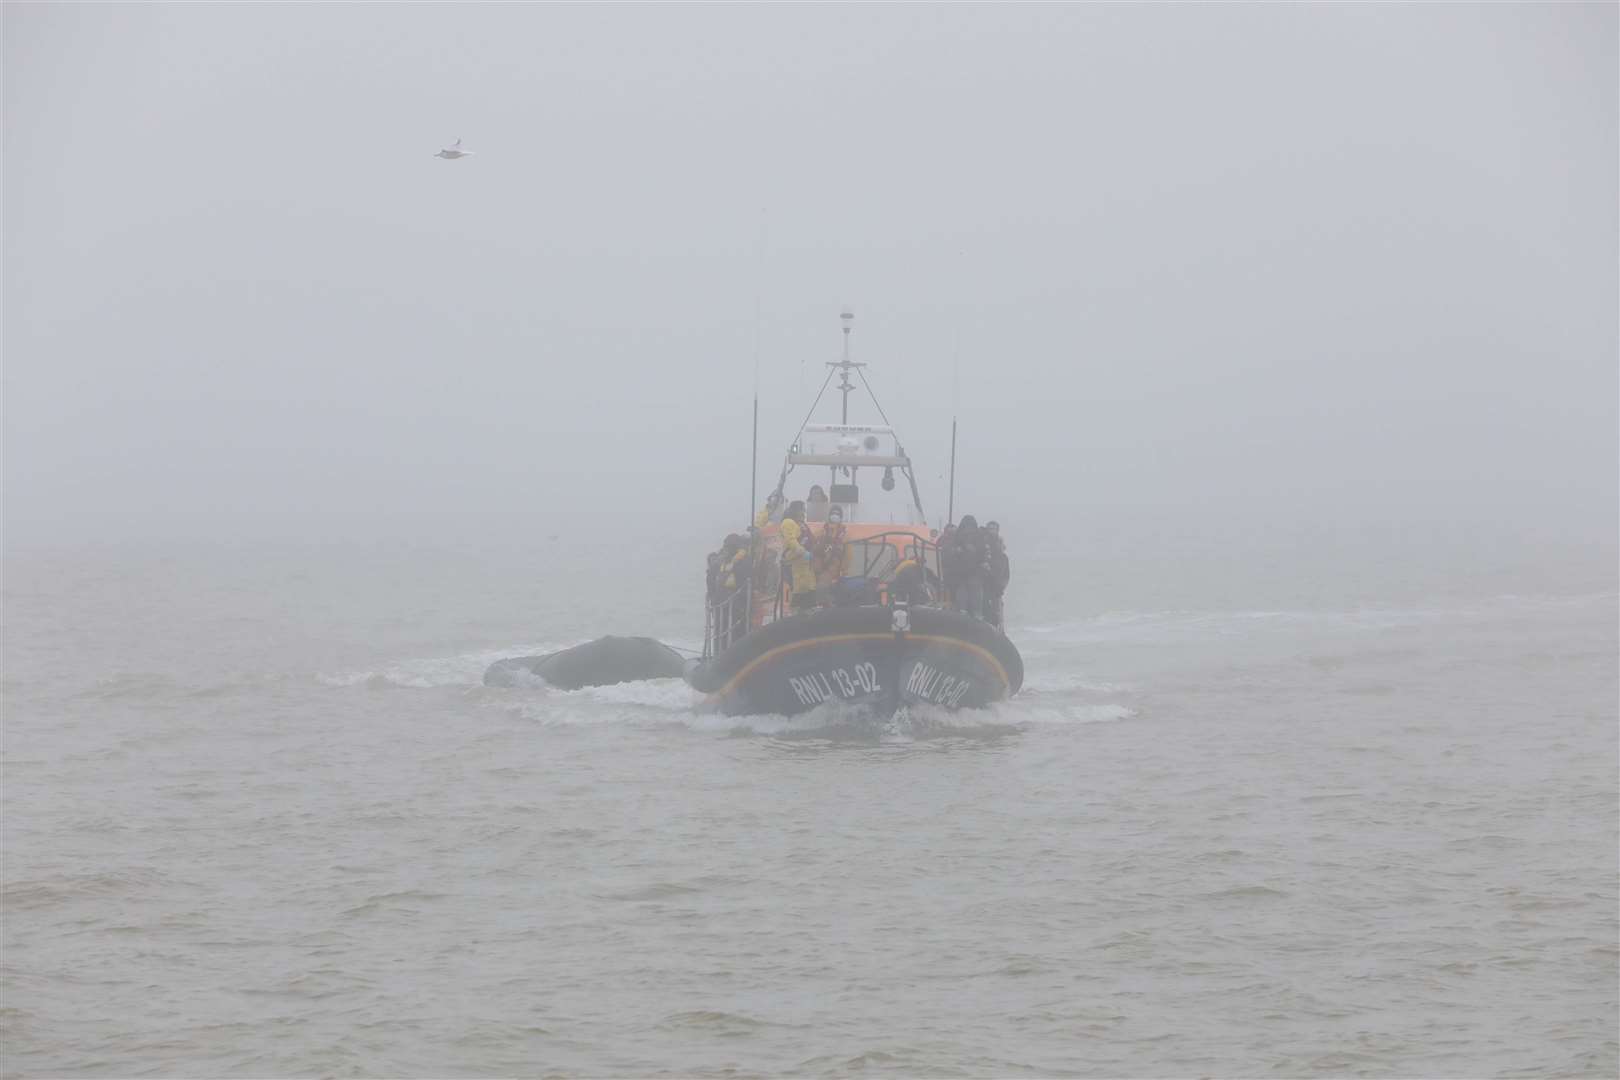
(797, 557)
(772, 511)
(721, 577)
(734, 574)
(717, 561)
(764, 571)
(733, 565)
(829, 554)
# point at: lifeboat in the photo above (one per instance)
(883, 632)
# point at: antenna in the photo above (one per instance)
(846, 365)
(956, 407)
(759, 277)
(753, 446)
(761, 244)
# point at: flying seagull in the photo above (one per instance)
(454, 151)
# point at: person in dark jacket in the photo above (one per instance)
(1000, 570)
(967, 567)
(721, 577)
(910, 583)
(711, 577)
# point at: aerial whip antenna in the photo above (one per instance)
(759, 277)
(847, 317)
(753, 446)
(956, 407)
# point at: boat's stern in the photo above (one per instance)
(870, 655)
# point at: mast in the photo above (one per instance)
(846, 364)
(837, 459)
(845, 387)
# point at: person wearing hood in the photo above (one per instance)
(829, 552)
(910, 584)
(816, 505)
(711, 577)
(734, 564)
(797, 557)
(721, 578)
(766, 573)
(734, 574)
(772, 510)
(967, 561)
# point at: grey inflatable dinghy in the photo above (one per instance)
(602, 662)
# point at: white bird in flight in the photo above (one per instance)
(454, 151)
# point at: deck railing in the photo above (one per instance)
(728, 620)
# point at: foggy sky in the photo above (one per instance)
(1349, 266)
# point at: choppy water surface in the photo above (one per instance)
(261, 819)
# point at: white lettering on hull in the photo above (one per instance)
(838, 684)
(932, 685)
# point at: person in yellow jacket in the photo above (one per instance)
(771, 512)
(733, 564)
(797, 558)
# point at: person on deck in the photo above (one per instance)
(733, 565)
(816, 504)
(967, 563)
(719, 568)
(711, 578)
(721, 579)
(734, 574)
(765, 571)
(797, 557)
(910, 584)
(1000, 570)
(829, 554)
(771, 512)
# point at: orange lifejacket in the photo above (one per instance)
(830, 554)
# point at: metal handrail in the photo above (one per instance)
(722, 628)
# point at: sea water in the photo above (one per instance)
(261, 818)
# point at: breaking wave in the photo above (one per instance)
(463, 669)
(1051, 696)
